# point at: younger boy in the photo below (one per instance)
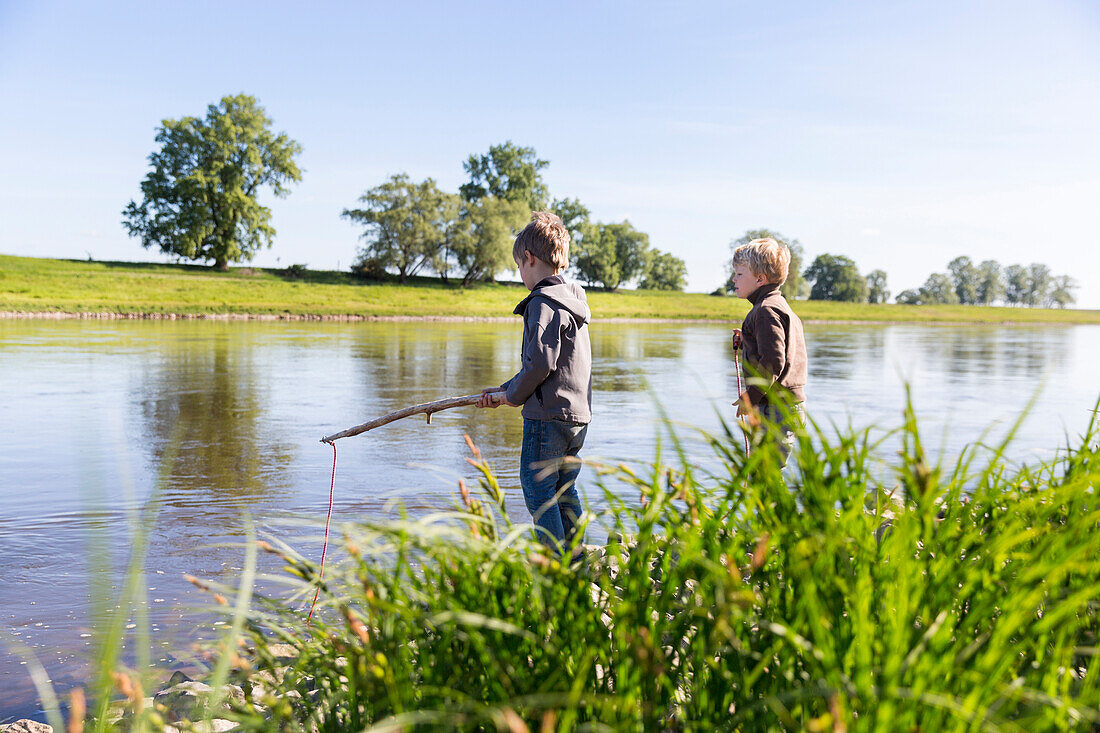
(771, 340)
(554, 383)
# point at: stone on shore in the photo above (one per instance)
(190, 700)
(217, 725)
(26, 726)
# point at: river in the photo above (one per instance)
(228, 415)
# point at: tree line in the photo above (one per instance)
(836, 277)
(988, 282)
(199, 202)
(413, 227)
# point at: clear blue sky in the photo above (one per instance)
(898, 134)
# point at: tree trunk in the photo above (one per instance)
(221, 264)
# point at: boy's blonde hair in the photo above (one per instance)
(546, 238)
(765, 257)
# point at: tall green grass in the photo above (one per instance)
(837, 595)
(847, 592)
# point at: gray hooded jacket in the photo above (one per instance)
(555, 377)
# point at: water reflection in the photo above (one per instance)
(208, 397)
(622, 354)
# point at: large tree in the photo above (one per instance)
(199, 199)
(965, 279)
(665, 271)
(1061, 292)
(876, 287)
(508, 172)
(938, 289)
(1039, 282)
(991, 282)
(1017, 285)
(795, 285)
(481, 242)
(836, 277)
(612, 254)
(406, 224)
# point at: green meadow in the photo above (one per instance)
(35, 285)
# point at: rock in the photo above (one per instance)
(217, 725)
(26, 726)
(282, 651)
(191, 700)
(177, 678)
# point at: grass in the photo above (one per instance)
(842, 596)
(43, 285)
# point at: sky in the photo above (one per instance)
(898, 134)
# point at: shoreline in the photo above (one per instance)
(357, 318)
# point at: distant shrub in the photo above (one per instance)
(295, 272)
(369, 268)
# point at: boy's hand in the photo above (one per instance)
(737, 338)
(746, 410)
(492, 397)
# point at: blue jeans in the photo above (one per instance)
(548, 470)
(786, 426)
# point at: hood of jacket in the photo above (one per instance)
(569, 296)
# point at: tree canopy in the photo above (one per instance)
(836, 277)
(199, 199)
(414, 227)
(1039, 282)
(664, 272)
(1061, 292)
(574, 215)
(938, 289)
(406, 224)
(508, 172)
(965, 279)
(991, 282)
(986, 283)
(1017, 285)
(612, 254)
(876, 287)
(482, 243)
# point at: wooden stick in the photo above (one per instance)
(425, 409)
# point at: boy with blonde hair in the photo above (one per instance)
(554, 383)
(771, 340)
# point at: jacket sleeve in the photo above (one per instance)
(540, 351)
(771, 349)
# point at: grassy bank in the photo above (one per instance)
(38, 285)
(843, 596)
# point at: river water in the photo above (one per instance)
(228, 415)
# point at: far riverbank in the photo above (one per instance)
(45, 288)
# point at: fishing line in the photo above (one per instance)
(737, 368)
(426, 409)
(328, 519)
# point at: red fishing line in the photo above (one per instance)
(737, 368)
(324, 548)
